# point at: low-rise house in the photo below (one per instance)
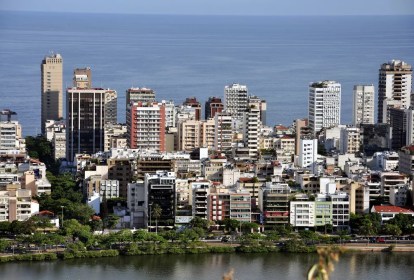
(389, 212)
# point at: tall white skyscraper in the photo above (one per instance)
(252, 126)
(236, 100)
(324, 105)
(363, 101)
(394, 87)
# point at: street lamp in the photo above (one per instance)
(62, 213)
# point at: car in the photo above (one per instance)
(380, 240)
(225, 239)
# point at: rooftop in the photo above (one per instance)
(391, 209)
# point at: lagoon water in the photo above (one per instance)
(366, 266)
(183, 56)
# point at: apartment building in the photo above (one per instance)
(146, 126)
(394, 87)
(324, 105)
(363, 105)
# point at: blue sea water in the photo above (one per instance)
(183, 56)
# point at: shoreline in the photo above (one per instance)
(212, 249)
(386, 247)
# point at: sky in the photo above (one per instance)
(217, 7)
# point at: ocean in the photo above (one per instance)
(183, 56)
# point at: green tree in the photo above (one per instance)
(200, 223)
(248, 227)
(156, 213)
(392, 229)
(109, 222)
(284, 230)
(38, 147)
(368, 227)
(77, 246)
(56, 239)
(4, 244)
(41, 222)
(25, 227)
(272, 235)
(404, 223)
(309, 236)
(297, 246)
(200, 232)
(369, 224)
(96, 224)
(77, 231)
(5, 227)
(141, 235)
(124, 235)
(231, 224)
(170, 235)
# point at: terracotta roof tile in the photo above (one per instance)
(393, 209)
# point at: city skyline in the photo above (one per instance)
(216, 7)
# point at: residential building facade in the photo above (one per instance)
(363, 104)
(324, 105)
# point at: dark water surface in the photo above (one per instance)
(366, 266)
(182, 56)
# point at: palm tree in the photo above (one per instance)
(156, 213)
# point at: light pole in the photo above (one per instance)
(62, 213)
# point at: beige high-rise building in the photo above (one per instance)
(363, 101)
(350, 141)
(82, 78)
(189, 135)
(394, 87)
(51, 89)
(208, 129)
(139, 95)
(302, 130)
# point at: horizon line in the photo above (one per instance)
(201, 14)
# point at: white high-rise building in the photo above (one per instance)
(252, 127)
(324, 105)
(170, 113)
(236, 100)
(394, 87)
(363, 101)
(11, 137)
(410, 126)
(308, 153)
